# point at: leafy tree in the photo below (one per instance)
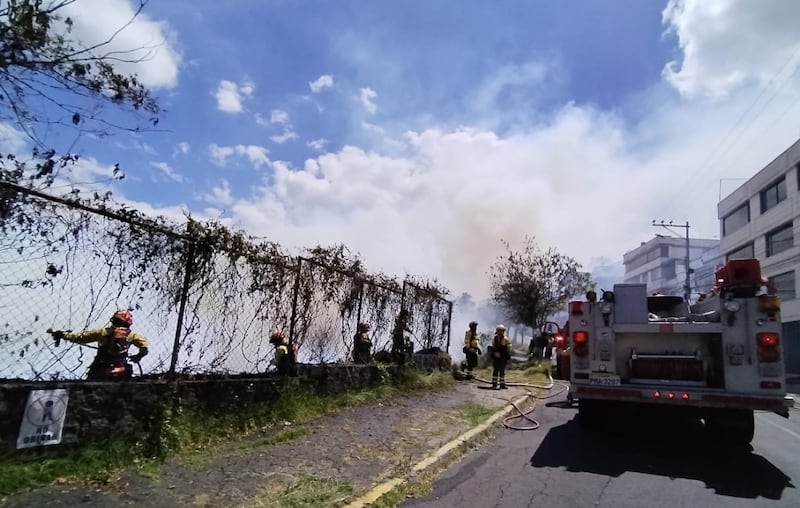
(531, 285)
(47, 81)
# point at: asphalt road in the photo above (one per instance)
(638, 462)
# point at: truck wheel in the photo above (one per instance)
(731, 426)
(589, 414)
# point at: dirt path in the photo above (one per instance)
(354, 449)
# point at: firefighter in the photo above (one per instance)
(472, 347)
(501, 353)
(538, 346)
(362, 344)
(282, 360)
(402, 346)
(113, 342)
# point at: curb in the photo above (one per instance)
(463, 440)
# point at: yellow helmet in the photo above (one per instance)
(500, 328)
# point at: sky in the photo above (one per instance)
(423, 134)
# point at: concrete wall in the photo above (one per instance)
(96, 411)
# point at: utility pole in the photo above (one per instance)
(687, 285)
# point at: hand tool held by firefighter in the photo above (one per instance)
(57, 335)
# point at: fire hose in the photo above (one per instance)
(524, 414)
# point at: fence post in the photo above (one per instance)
(449, 323)
(429, 338)
(403, 297)
(295, 293)
(360, 300)
(187, 277)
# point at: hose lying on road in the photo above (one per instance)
(524, 414)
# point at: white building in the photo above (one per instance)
(760, 219)
(660, 263)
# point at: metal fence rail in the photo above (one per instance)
(204, 306)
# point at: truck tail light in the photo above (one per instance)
(576, 307)
(768, 343)
(581, 340)
(768, 339)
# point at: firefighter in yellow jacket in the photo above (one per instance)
(282, 360)
(501, 353)
(113, 342)
(472, 347)
(362, 344)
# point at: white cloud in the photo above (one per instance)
(725, 43)
(181, 148)
(230, 95)
(146, 46)
(220, 194)
(287, 135)
(366, 96)
(580, 182)
(318, 145)
(168, 171)
(321, 83)
(136, 145)
(372, 128)
(436, 201)
(220, 154)
(257, 155)
(12, 140)
(279, 116)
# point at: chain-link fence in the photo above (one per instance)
(207, 303)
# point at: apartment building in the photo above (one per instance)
(760, 219)
(660, 264)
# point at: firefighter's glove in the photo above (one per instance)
(138, 356)
(480, 352)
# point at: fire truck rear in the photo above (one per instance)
(719, 359)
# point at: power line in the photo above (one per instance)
(717, 152)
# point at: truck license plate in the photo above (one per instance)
(597, 378)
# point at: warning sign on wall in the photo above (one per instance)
(43, 419)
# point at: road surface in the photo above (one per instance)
(639, 463)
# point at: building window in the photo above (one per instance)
(784, 285)
(773, 194)
(743, 252)
(736, 219)
(780, 239)
(668, 269)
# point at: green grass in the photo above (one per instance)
(195, 437)
(283, 436)
(392, 498)
(474, 413)
(309, 492)
(95, 464)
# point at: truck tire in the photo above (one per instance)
(589, 414)
(731, 426)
